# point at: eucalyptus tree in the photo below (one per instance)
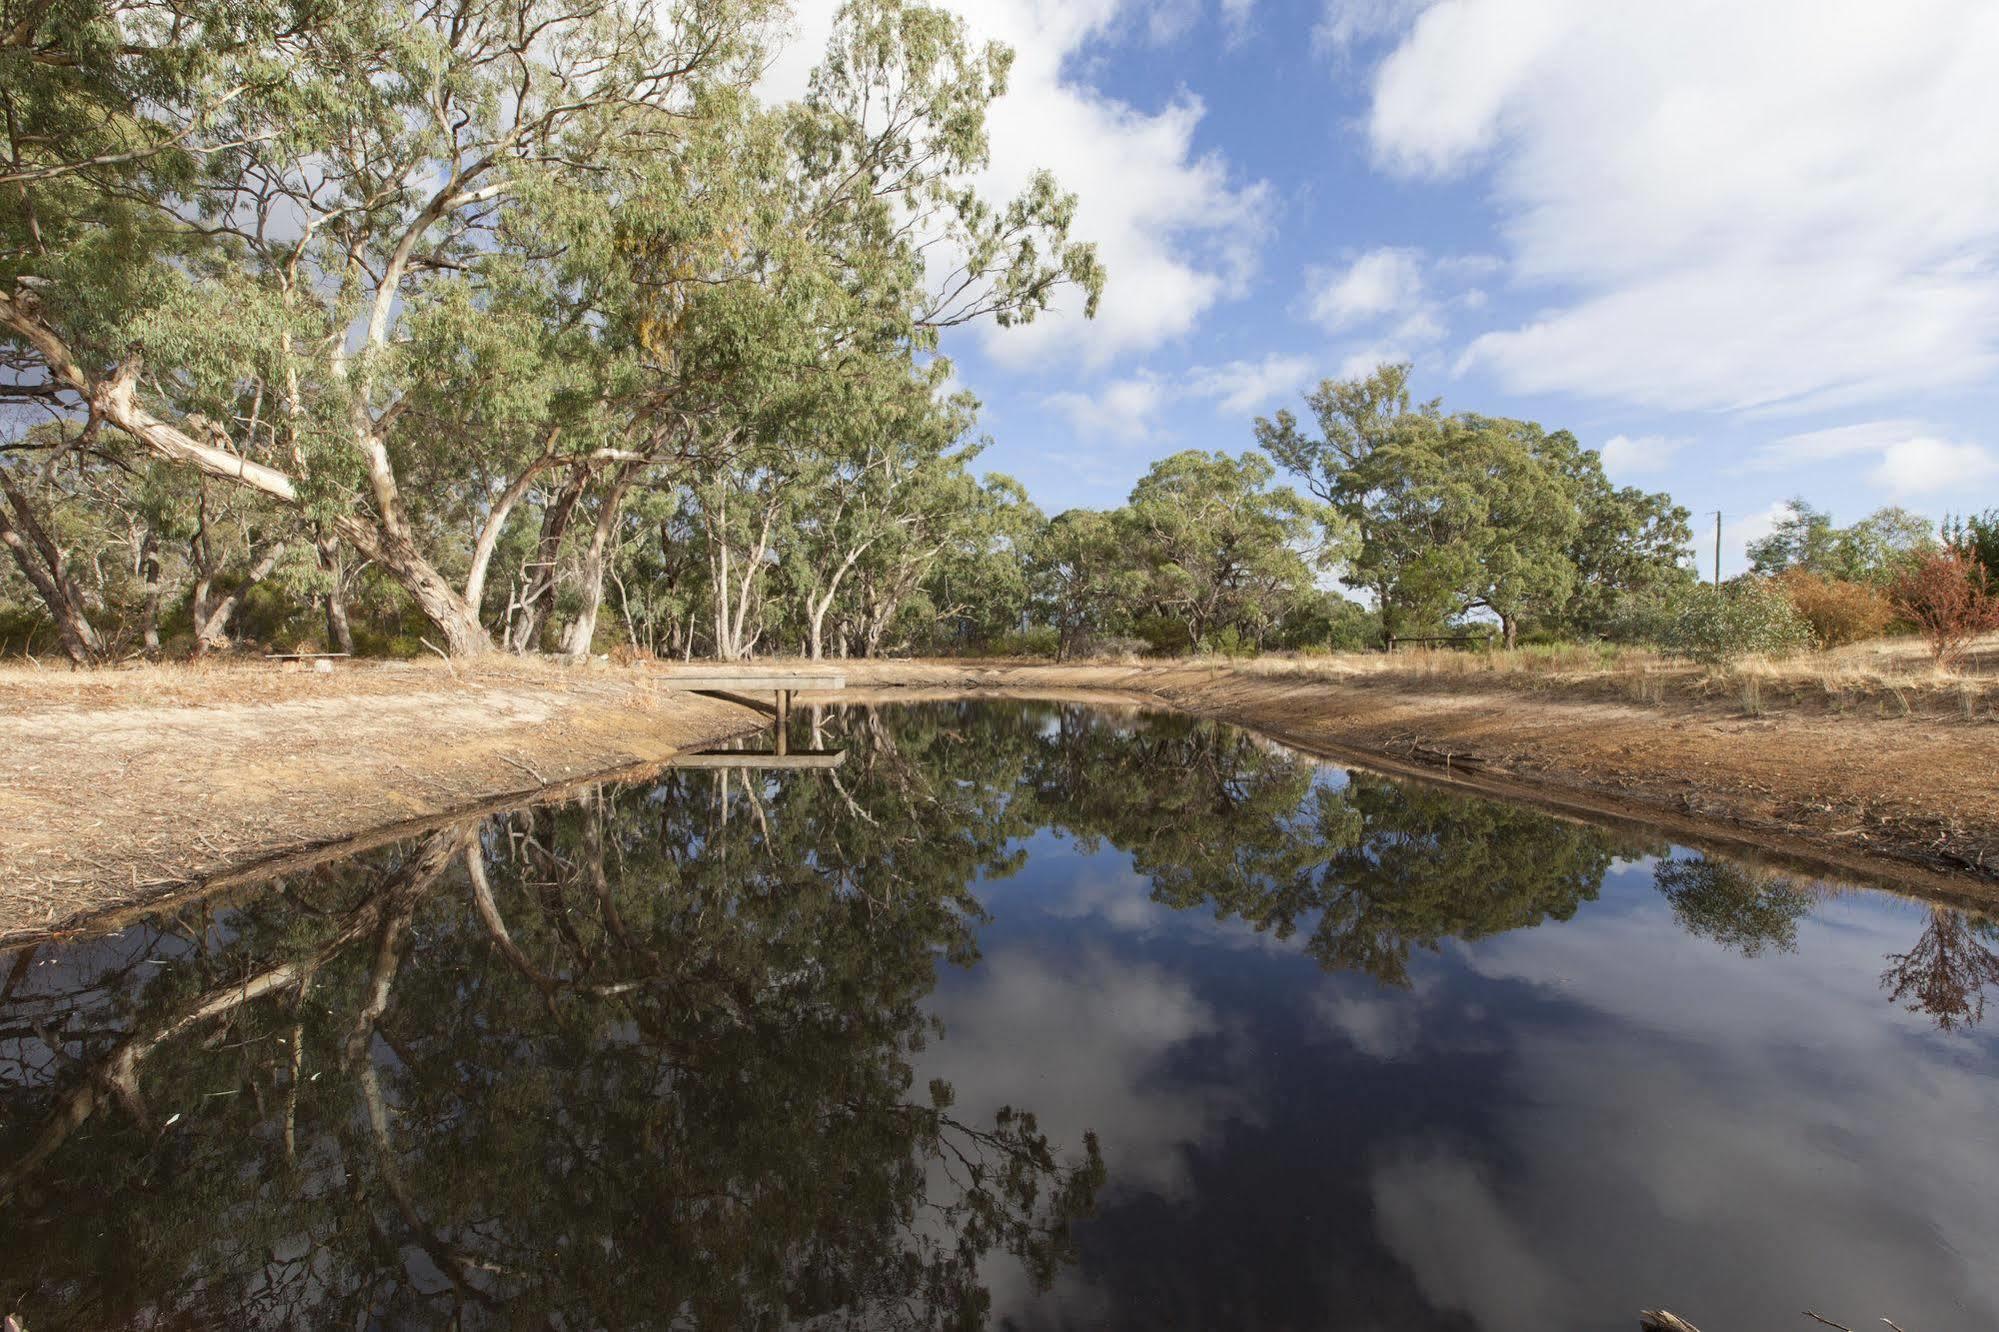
(1356, 419)
(1084, 577)
(244, 294)
(1464, 512)
(1629, 547)
(859, 233)
(1222, 549)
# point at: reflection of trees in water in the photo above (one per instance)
(1945, 975)
(1750, 909)
(648, 1059)
(1370, 871)
(1739, 906)
(606, 1066)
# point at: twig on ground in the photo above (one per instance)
(442, 656)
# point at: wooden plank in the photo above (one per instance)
(748, 681)
(751, 758)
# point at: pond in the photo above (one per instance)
(1026, 1014)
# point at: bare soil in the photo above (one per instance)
(118, 787)
(1911, 799)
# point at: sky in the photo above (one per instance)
(1749, 249)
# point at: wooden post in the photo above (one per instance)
(783, 721)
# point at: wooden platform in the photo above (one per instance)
(749, 681)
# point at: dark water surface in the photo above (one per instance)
(1032, 1015)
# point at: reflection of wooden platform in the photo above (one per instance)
(761, 758)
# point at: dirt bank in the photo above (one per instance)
(1912, 799)
(120, 786)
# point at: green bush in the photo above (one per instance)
(1230, 643)
(1164, 636)
(1040, 641)
(1715, 626)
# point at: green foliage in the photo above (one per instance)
(1874, 550)
(1717, 626)
(1465, 513)
(1741, 908)
(1977, 534)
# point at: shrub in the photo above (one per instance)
(1230, 642)
(1039, 641)
(1836, 611)
(1948, 596)
(1717, 625)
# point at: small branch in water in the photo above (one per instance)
(1658, 1320)
(1827, 1321)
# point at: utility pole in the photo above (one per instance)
(1717, 547)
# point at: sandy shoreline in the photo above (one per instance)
(120, 791)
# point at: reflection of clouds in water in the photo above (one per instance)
(1773, 1130)
(1439, 1213)
(1081, 1041)
(1121, 898)
(1381, 1027)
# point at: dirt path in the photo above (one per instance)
(116, 790)
(1914, 799)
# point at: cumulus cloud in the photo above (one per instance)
(1380, 282)
(1782, 206)
(1128, 409)
(1241, 387)
(1624, 455)
(1909, 458)
(1123, 409)
(1176, 227)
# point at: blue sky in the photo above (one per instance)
(1750, 250)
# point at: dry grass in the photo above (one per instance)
(26, 687)
(1885, 678)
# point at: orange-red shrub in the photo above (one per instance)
(1838, 612)
(1947, 595)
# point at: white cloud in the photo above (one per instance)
(1380, 282)
(1122, 410)
(1244, 386)
(1344, 24)
(1366, 360)
(1625, 456)
(1910, 459)
(1177, 230)
(1785, 205)
(1236, 15)
(1128, 409)
(1169, 20)
(1924, 466)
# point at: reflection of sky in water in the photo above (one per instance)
(1550, 1128)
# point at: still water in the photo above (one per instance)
(1025, 1015)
